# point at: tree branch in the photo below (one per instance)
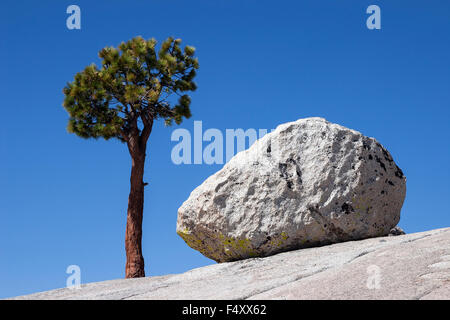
(146, 131)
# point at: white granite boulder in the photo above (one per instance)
(308, 183)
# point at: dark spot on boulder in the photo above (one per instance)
(286, 172)
(220, 200)
(399, 172)
(366, 144)
(283, 168)
(347, 208)
(370, 157)
(386, 154)
(314, 209)
(377, 159)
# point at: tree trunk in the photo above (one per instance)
(133, 238)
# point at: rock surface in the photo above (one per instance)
(412, 266)
(308, 183)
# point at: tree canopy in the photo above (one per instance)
(131, 89)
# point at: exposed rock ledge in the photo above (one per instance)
(412, 266)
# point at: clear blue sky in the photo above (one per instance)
(63, 199)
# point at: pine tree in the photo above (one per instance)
(135, 86)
